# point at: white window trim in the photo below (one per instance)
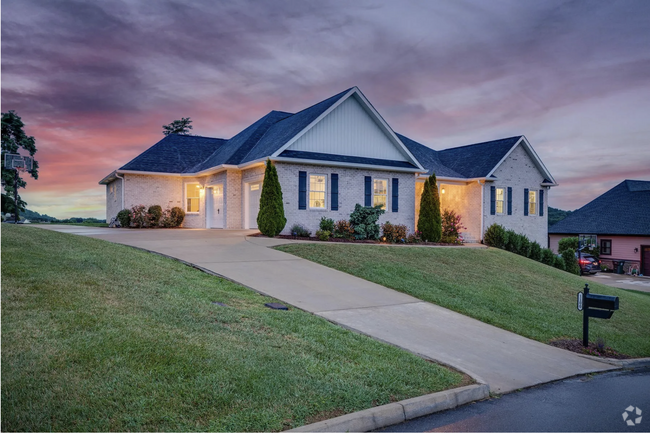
(325, 200)
(535, 210)
(387, 192)
(496, 200)
(185, 197)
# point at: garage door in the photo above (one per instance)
(254, 193)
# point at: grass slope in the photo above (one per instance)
(97, 336)
(494, 286)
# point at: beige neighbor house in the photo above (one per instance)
(329, 157)
(618, 222)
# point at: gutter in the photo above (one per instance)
(482, 214)
(123, 188)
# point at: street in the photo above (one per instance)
(585, 403)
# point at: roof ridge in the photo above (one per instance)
(483, 142)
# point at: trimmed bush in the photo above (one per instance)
(327, 224)
(568, 243)
(430, 220)
(547, 257)
(323, 235)
(414, 238)
(451, 227)
(343, 229)
(124, 217)
(558, 262)
(535, 251)
(512, 241)
(570, 261)
(155, 213)
(177, 215)
(300, 231)
(271, 219)
(495, 236)
(139, 216)
(393, 232)
(364, 221)
(524, 246)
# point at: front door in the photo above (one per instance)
(254, 194)
(645, 259)
(214, 206)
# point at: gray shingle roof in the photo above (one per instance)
(623, 210)
(428, 158)
(299, 154)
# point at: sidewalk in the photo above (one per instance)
(504, 360)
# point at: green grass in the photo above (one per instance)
(494, 286)
(97, 336)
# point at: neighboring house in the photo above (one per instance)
(619, 220)
(329, 157)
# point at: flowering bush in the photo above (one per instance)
(343, 229)
(139, 216)
(451, 227)
(414, 238)
(393, 232)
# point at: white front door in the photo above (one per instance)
(254, 193)
(214, 207)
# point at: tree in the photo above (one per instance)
(271, 219)
(181, 127)
(13, 139)
(430, 220)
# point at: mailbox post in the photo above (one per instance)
(594, 305)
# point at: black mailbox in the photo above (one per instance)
(597, 306)
(604, 302)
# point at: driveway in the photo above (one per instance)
(504, 360)
(627, 282)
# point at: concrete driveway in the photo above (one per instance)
(504, 360)
(627, 282)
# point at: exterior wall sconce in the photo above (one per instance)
(636, 250)
(442, 190)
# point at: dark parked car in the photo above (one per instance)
(588, 264)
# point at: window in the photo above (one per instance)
(380, 192)
(499, 200)
(192, 193)
(606, 247)
(317, 190)
(532, 202)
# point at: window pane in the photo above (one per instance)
(532, 202)
(499, 200)
(316, 183)
(192, 191)
(380, 199)
(317, 190)
(317, 199)
(381, 185)
(500, 194)
(499, 206)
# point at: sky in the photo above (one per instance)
(94, 81)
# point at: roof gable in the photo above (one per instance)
(477, 160)
(623, 210)
(428, 158)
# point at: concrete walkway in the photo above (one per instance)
(504, 360)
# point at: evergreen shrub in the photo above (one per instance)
(271, 219)
(364, 221)
(124, 217)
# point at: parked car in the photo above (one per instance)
(589, 264)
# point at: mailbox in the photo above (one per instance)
(597, 306)
(603, 302)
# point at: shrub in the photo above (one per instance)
(495, 236)
(327, 224)
(139, 216)
(570, 261)
(323, 235)
(567, 243)
(393, 232)
(451, 227)
(535, 251)
(414, 238)
(524, 246)
(124, 217)
(343, 229)
(177, 216)
(271, 219)
(430, 220)
(166, 219)
(300, 231)
(512, 241)
(558, 262)
(155, 213)
(364, 221)
(547, 257)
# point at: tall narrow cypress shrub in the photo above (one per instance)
(430, 220)
(271, 219)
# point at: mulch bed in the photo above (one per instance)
(351, 241)
(594, 349)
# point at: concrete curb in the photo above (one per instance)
(395, 413)
(621, 363)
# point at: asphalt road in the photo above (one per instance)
(586, 403)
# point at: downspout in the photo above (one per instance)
(482, 215)
(123, 188)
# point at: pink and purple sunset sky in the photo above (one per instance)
(94, 81)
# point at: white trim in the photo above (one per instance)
(482, 185)
(373, 191)
(246, 207)
(185, 197)
(536, 192)
(531, 152)
(309, 190)
(344, 164)
(504, 201)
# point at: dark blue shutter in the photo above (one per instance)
(493, 200)
(525, 201)
(334, 198)
(368, 181)
(302, 190)
(541, 202)
(395, 200)
(509, 200)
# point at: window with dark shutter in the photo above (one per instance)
(493, 200)
(605, 247)
(334, 198)
(395, 195)
(541, 202)
(368, 190)
(525, 201)
(509, 200)
(302, 190)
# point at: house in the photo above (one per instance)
(618, 222)
(329, 157)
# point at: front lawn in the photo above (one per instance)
(98, 336)
(494, 286)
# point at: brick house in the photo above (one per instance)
(618, 221)
(329, 157)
